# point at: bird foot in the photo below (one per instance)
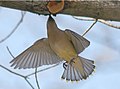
(72, 61)
(65, 64)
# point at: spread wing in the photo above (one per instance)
(40, 53)
(79, 42)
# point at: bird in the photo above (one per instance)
(61, 45)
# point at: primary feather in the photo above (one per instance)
(37, 55)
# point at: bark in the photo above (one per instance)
(101, 9)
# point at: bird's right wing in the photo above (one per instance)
(79, 42)
(40, 53)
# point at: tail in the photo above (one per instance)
(79, 69)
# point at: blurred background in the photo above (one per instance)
(104, 49)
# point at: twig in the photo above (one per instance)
(22, 76)
(43, 69)
(84, 19)
(90, 27)
(36, 78)
(13, 72)
(109, 24)
(10, 52)
(99, 20)
(25, 77)
(29, 83)
(15, 28)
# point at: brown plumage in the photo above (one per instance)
(60, 45)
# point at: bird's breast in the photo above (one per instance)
(63, 47)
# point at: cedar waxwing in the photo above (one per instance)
(60, 45)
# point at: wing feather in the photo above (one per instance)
(79, 42)
(40, 53)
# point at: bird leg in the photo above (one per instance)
(65, 64)
(72, 61)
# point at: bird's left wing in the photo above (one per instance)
(40, 53)
(79, 42)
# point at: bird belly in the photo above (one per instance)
(67, 52)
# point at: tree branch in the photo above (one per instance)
(15, 28)
(12, 71)
(89, 28)
(44, 69)
(25, 77)
(36, 78)
(99, 20)
(109, 24)
(99, 9)
(22, 76)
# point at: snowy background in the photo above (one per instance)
(104, 49)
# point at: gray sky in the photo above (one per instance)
(104, 49)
